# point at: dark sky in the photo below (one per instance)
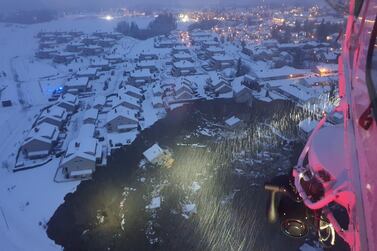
(12, 5)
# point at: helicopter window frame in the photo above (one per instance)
(371, 86)
(357, 7)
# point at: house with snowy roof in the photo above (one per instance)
(106, 42)
(77, 85)
(132, 91)
(81, 157)
(40, 141)
(90, 73)
(127, 101)
(150, 65)
(183, 91)
(101, 65)
(64, 57)
(147, 55)
(157, 102)
(153, 154)
(182, 56)
(241, 92)
(69, 102)
(218, 84)
(91, 50)
(285, 72)
(54, 115)
(90, 116)
(180, 49)
(233, 123)
(99, 102)
(209, 43)
(220, 62)
(183, 68)
(213, 51)
(121, 119)
(140, 77)
(114, 58)
(74, 47)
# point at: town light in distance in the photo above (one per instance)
(184, 18)
(108, 17)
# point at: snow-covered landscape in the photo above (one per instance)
(76, 94)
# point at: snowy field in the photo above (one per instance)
(23, 195)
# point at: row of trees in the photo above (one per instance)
(161, 25)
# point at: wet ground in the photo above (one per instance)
(211, 199)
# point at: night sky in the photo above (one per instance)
(12, 5)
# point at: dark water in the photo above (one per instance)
(109, 212)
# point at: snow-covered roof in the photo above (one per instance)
(153, 153)
(142, 73)
(69, 98)
(87, 72)
(237, 85)
(81, 147)
(232, 121)
(283, 72)
(147, 63)
(183, 64)
(121, 111)
(99, 101)
(182, 55)
(86, 131)
(222, 58)
(132, 89)
(55, 112)
(126, 99)
(44, 132)
(82, 81)
(99, 63)
(92, 113)
(157, 100)
(215, 49)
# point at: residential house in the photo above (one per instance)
(40, 141)
(54, 115)
(121, 119)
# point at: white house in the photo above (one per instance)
(182, 56)
(40, 141)
(79, 84)
(220, 62)
(99, 102)
(90, 73)
(127, 101)
(90, 116)
(183, 68)
(54, 115)
(153, 154)
(218, 84)
(241, 93)
(69, 102)
(157, 91)
(121, 119)
(157, 102)
(140, 77)
(81, 157)
(233, 122)
(132, 91)
(150, 65)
